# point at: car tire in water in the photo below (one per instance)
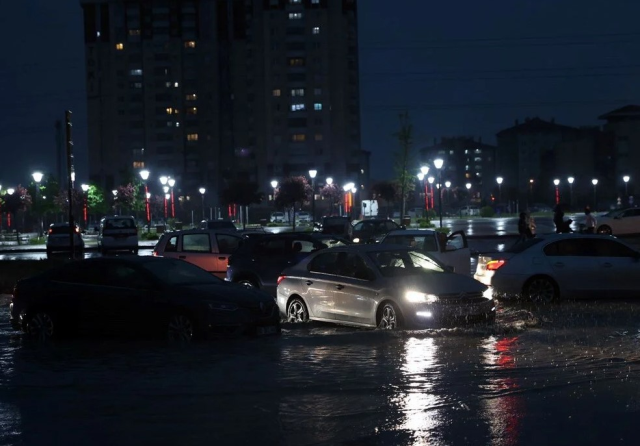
(604, 229)
(388, 316)
(41, 326)
(542, 290)
(297, 310)
(181, 328)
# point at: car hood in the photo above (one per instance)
(437, 283)
(229, 292)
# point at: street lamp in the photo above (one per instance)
(202, 190)
(626, 179)
(438, 163)
(10, 191)
(115, 203)
(424, 170)
(468, 186)
(422, 186)
(274, 184)
(499, 180)
(556, 182)
(312, 174)
(430, 180)
(165, 189)
(447, 185)
(571, 180)
(329, 182)
(172, 183)
(37, 177)
(144, 174)
(85, 189)
(347, 202)
(595, 195)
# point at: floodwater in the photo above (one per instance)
(561, 374)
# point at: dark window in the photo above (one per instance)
(275, 247)
(323, 263)
(123, 276)
(196, 243)
(564, 248)
(172, 245)
(227, 244)
(610, 248)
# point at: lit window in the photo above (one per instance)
(192, 110)
(297, 92)
(134, 32)
(190, 44)
(169, 124)
(318, 137)
(295, 2)
(119, 46)
(192, 97)
(316, 30)
(297, 107)
(317, 91)
(192, 137)
(298, 137)
(295, 15)
(296, 62)
(137, 85)
(169, 110)
(167, 84)
(176, 85)
(277, 92)
(450, 152)
(317, 106)
(315, 2)
(138, 164)
(136, 72)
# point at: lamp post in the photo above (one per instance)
(37, 177)
(144, 174)
(595, 195)
(10, 191)
(499, 180)
(556, 182)
(312, 174)
(115, 200)
(274, 185)
(202, 190)
(571, 180)
(430, 180)
(172, 183)
(85, 213)
(447, 185)
(165, 189)
(468, 186)
(329, 182)
(438, 163)
(626, 179)
(348, 198)
(424, 170)
(531, 181)
(421, 179)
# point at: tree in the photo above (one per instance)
(332, 193)
(156, 202)
(126, 197)
(19, 200)
(243, 193)
(61, 200)
(404, 159)
(44, 199)
(291, 191)
(385, 190)
(96, 201)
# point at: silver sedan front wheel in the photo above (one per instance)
(297, 311)
(542, 290)
(41, 326)
(388, 318)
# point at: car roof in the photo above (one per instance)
(200, 231)
(411, 232)
(377, 247)
(58, 225)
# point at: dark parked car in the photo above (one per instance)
(218, 224)
(371, 231)
(339, 226)
(259, 261)
(139, 296)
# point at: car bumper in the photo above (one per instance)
(15, 319)
(508, 284)
(120, 243)
(426, 315)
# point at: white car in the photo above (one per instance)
(619, 222)
(563, 265)
(59, 239)
(303, 217)
(279, 217)
(118, 233)
(451, 250)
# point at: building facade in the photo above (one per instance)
(214, 91)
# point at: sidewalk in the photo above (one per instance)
(90, 244)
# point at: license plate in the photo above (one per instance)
(271, 329)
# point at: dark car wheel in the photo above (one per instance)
(297, 311)
(541, 290)
(41, 326)
(604, 229)
(246, 282)
(388, 317)
(180, 328)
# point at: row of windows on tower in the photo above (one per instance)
(189, 44)
(296, 92)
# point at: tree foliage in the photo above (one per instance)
(19, 200)
(126, 197)
(61, 200)
(291, 192)
(387, 191)
(44, 196)
(404, 160)
(96, 201)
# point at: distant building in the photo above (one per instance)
(466, 160)
(209, 91)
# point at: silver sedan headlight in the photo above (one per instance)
(417, 297)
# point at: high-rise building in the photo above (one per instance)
(210, 91)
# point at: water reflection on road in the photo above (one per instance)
(563, 374)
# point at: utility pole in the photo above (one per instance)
(72, 226)
(59, 152)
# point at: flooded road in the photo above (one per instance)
(561, 374)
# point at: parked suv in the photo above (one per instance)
(372, 231)
(340, 226)
(59, 240)
(259, 261)
(118, 233)
(208, 249)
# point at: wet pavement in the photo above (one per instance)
(556, 375)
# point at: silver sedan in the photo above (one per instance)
(385, 286)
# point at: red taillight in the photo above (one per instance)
(78, 230)
(493, 265)
(280, 279)
(50, 231)
(154, 253)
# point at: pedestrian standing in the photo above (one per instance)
(524, 228)
(590, 221)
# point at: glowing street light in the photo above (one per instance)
(144, 174)
(171, 182)
(499, 180)
(202, 190)
(438, 163)
(37, 178)
(626, 179)
(595, 195)
(312, 174)
(571, 180)
(430, 180)
(85, 189)
(274, 185)
(556, 182)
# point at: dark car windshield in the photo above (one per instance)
(391, 263)
(177, 272)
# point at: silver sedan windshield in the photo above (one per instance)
(394, 262)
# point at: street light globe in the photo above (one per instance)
(594, 181)
(447, 184)
(114, 192)
(163, 180)
(354, 190)
(556, 181)
(438, 163)
(468, 186)
(499, 180)
(144, 174)
(171, 182)
(202, 190)
(421, 176)
(37, 176)
(313, 173)
(165, 189)
(571, 180)
(167, 196)
(531, 181)
(84, 187)
(424, 170)
(329, 181)
(348, 187)
(11, 190)
(626, 178)
(431, 180)
(274, 184)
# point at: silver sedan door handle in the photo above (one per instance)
(309, 282)
(339, 287)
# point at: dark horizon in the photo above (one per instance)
(470, 74)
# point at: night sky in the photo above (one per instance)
(464, 67)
